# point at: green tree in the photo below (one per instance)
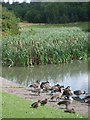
(9, 22)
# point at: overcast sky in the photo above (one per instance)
(28, 1)
(10, 1)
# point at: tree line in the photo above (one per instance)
(50, 12)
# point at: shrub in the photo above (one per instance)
(9, 22)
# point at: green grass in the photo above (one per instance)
(16, 107)
(83, 25)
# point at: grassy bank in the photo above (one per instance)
(83, 25)
(42, 45)
(16, 107)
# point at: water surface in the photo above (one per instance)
(74, 74)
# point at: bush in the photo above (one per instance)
(9, 22)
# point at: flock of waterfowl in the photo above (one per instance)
(58, 93)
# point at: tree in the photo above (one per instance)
(9, 22)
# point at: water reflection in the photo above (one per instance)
(74, 74)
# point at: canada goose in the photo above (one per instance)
(55, 88)
(68, 88)
(61, 89)
(65, 102)
(56, 96)
(67, 93)
(88, 101)
(43, 83)
(43, 102)
(87, 97)
(35, 85)
(70, 110)
(37, 90)
(36, 104)
(79, 92)
(45, 86)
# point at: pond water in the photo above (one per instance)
(74, 74)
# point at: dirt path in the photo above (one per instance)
(16, 89)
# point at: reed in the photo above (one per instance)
(36, 46)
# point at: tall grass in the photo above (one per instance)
(36, 46)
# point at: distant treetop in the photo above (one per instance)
(50, 12)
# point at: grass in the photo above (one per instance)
(42, 45)
(76, 24)
(16, 107)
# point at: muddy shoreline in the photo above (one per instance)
(22, 91)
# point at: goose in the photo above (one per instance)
(68, 88)
(35, 85)
(65, 102)
(45, 86)
(55, 88)
(79, 92)
(70, 110)
(43, 102)
(56, 96)
(43, 83)
(37, 90)
(36, 104)
(87, 97)
(67, 93)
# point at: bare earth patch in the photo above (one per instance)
(21, 91)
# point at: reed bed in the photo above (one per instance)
(36, 46)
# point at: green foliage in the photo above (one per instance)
(45, 46)
(9, 22)
(16, 107)
(50, 12)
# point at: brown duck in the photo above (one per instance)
(65, 102)
(43, 102)
(36, 104)
(70, 110)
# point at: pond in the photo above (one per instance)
(74, 74)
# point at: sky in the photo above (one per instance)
(10, 1)
(28, 1)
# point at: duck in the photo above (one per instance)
(43, 102)
(36, 104)
(65, 102)
(70, 110)
(79, 92)
(35, 85)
